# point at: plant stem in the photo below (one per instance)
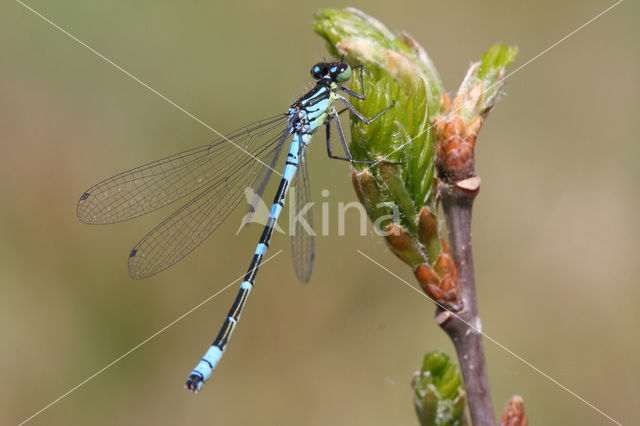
(457, 202)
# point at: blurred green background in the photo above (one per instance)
(555, 233)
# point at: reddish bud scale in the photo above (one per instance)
(456, 142)
(514, 414)
(428, 228)
(445, 102)
(441, 282)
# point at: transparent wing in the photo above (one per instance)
(154, 185)
(188, 227)
(266, 172)
(261, 183)
(302, 242)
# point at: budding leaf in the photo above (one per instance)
(438, 392)
(396, 69)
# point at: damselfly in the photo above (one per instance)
(222, 170)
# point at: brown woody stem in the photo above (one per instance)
(457, 202)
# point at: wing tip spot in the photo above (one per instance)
(84, 196)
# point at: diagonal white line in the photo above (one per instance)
(561, 40)
(128, 74)
(139, 344)
(500, 345)
(501, 81)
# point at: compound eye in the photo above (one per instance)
(343, 72)
(318, 70)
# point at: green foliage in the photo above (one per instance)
(396, 69)
(498, 57)
(438, 391)
(483, 83)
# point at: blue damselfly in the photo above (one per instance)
(221, 171)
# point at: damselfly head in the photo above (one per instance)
(336, 71)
